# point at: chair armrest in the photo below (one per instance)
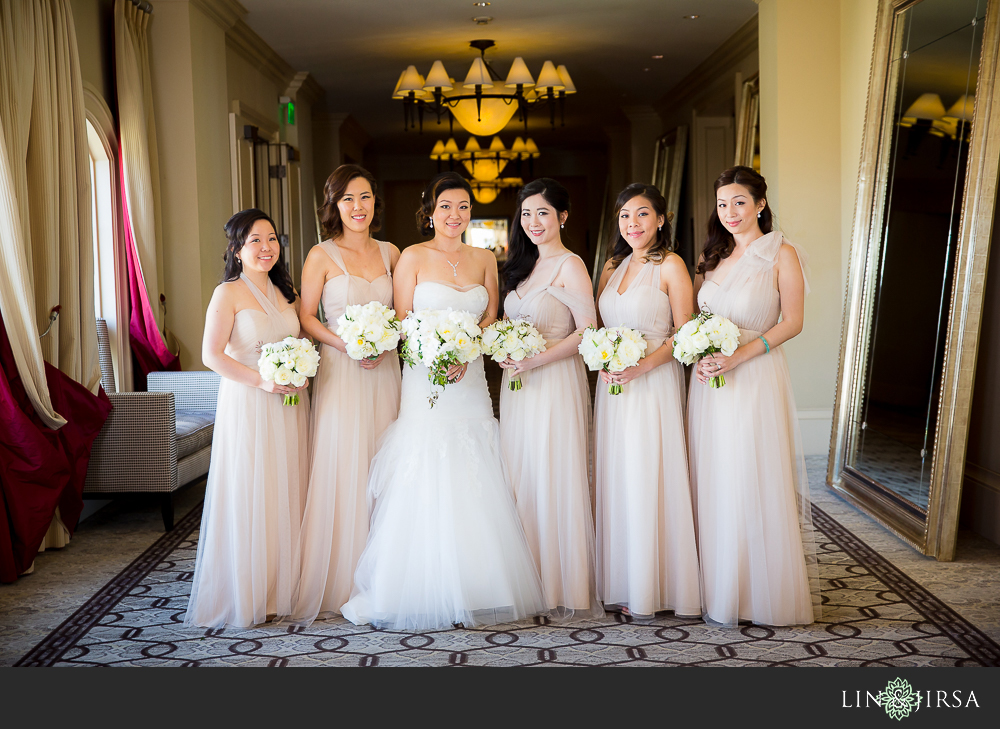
(192, 390)
(136, 449)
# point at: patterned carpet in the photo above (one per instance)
(874, 615)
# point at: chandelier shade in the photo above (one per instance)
(484, 103)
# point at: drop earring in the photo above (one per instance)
(431, 223)
(239, 261)
(563, 225)
(758, 215)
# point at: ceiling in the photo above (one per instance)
(356, 50)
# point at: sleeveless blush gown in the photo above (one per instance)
(248, 546)
(351, 408)
(647, 558)
(754, 523)
(545, 434)
(445, 545)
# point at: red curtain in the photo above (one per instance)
(149, 349)
(41, 468)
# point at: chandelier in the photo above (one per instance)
(486, 165)
(484, 103)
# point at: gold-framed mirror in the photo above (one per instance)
(922, 226)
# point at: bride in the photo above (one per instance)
(445, 544)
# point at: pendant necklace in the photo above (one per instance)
(454, 266)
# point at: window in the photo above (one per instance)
(488, 233)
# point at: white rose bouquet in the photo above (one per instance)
(706, 334)
(438, 339)
(612, 349)
(288, 362)
(368, 329)
(514, 338)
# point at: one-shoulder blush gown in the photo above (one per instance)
(755, 534)
(445, 545)
(647, 560)
(351, 408)
(248, 546)
(545, 434)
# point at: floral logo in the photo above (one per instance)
(898, 699)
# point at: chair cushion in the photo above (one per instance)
(194, 431)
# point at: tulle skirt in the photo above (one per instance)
(248, 546)
(445, 545)
(351, 408)
(545, 435)
(647, 560)
(754, 527)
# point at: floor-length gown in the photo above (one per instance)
(351, 408)
(445, 545)
(647, 560)
(545, 435)
(747, 468)
(248, 546)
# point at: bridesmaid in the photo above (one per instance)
(747, 467)
(354, 401)
(248, 558)
(544, 427)
(646, 555)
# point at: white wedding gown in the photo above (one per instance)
(445, 544)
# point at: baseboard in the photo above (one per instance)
(815, 424)
(981, 502)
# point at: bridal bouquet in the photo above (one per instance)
(514, 338)
(368, 329)
(438, 339)
(288, 362)
(706, 334)
(612, 349)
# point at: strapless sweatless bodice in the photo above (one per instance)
(440, 295)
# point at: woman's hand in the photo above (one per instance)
(370, 364)
(626, 375)
(716, 364)
(457, 372)
(276, 389)
(517, 368)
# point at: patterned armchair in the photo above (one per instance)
(156, 441)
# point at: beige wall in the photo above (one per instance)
(811, 118)
(95, 37)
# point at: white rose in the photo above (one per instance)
(298, 379)
(283, 376)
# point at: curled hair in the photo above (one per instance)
(661, 246)
(428, 198)
(333, 191)
(237, 231)
(720, 243)
(522, 254)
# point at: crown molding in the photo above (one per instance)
(305, 88)
(737, 46)
(225, 13)
(241, 38)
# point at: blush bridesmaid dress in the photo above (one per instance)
(352, 407)
(647, 560)
(248, 545)
(545, 435)
(755, 533)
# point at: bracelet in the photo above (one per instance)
(767, 347)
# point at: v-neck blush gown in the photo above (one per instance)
(248, 545)
(545, 435)
(755, 533)
(646, 555)
(351, 409)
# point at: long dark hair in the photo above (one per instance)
(720, 243)
(522, 254)
(428, 198)
(237, 231)
(334, 189)
(661, 246)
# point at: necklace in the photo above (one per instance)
(454, 266)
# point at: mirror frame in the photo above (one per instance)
(935, 531)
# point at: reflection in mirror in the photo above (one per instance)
(931, 92)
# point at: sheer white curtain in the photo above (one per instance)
(45, 225)
(138, 141)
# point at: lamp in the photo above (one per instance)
(483, 103)
(484, 166)
(962, 110)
